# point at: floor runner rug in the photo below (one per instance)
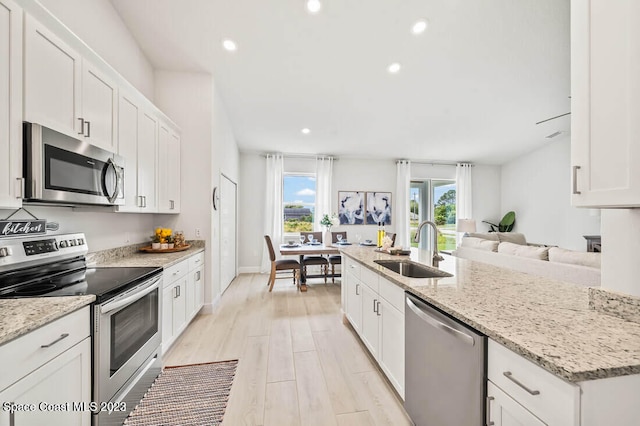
(186, 395)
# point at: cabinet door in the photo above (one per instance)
(391, 355)
(354, 302)
(148, 161)
(504, 411)
(370, 322)
(99, 108)
(44, 385)
(190, 295)
(52, 81)
(10, 105)
(179, 305)
(128, 113)
(198, 278)
(164, 174)
(605, 103)
(174, 167)
(168, 294)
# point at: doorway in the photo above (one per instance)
(228, 232)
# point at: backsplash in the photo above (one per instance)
(104, 256)
(616, 304)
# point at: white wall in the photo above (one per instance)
(537, 187)
(98, 24)
(208, 148)
(486, 186)
(349, 174)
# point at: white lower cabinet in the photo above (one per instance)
(375, 309)
(502, 410)
(48, 373)
(182, 297)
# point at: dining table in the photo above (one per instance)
(306, 249)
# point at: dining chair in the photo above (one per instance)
(336, 259)
(321, 261)
(281, 265)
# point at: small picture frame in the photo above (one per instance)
(351, 207)
(378, 208)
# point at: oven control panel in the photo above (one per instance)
(17, 250)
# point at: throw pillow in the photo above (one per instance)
(531, 252)
(560, 255)
(479, 244)
(492, 236)
(512, 237)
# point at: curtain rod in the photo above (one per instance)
(440, 163)
(303, 156)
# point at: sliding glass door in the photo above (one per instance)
(434, 200)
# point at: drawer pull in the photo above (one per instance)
(488, 411)
(509, 376)
(62, 336)
(357, 286)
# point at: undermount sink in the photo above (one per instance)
(411, 269)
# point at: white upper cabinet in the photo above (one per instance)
(137, 143)
(66, 93)
(169, 170)
(10, 105)
(605, 104)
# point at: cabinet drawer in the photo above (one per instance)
(175, 272)
(555, 402)
(369, 278)
(196, 261)
(23, 355)
(352, 266)
(392, 293)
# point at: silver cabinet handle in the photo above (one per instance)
(440, 325)
(88, 134)
(509, 376)
(375, 301)
(20, 189)
(144, 201)
(489, 422)
(378, 306)
(176, 272)
(197, 276)
(575, 180)
(357, 286)
(62, 336)
(81, 132)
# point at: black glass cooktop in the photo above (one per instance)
(75, 280)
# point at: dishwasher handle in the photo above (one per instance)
(439, 325)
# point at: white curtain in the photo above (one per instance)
(324, 175)
(403, 188)
(273, 214)
(464, 208)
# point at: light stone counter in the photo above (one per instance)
(20, 316)
(130, 256)
(546, 321)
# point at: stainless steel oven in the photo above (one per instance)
(127, 340)
(61, 169)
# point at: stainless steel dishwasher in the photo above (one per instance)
(444, 368)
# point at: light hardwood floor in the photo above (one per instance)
(298, 363)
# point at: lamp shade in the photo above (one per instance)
(466, 225)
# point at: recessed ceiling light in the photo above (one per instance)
(314, 6)
(306, 131)
(420, 26)
(229, 45)
(393, 68)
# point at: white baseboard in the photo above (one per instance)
(249, 270)
(209, 308)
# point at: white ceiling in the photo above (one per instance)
(471, 87)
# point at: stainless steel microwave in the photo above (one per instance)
(61, 169)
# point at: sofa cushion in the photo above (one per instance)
(479, 243)
(512, 237)
(485, 235)
(560, 255)
(532, 252)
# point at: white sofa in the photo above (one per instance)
(510, 250)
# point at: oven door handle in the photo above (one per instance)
(117, 304)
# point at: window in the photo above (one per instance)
(299, 199)
(434, 200)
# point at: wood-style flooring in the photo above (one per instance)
(298, 363)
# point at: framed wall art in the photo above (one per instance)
(378, 208)
(351, 207)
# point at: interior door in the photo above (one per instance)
(228, 207)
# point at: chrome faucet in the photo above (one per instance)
(436, 256)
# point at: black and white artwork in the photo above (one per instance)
(378, 208)
(351, 207)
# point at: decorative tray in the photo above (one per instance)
(395, 252)
(148, 249)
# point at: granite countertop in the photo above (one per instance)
(20, 316)
(163, 260)
(546, 321)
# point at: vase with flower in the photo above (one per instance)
(328, 221)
